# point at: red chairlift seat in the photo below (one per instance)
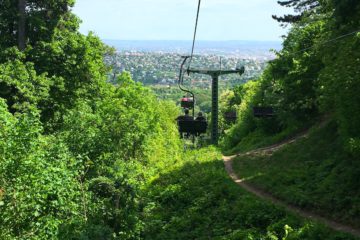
(187, 103)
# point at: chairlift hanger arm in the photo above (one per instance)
(181, 73)
(181, 78)
(216, 73)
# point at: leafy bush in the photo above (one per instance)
(39, 185)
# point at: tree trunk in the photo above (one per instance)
(21, 25)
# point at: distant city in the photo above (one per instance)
(243, 49)
(157, 62)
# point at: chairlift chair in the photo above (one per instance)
(262, 112)
(186, 125)
(230, 116)
(187, 103)
(192, 127)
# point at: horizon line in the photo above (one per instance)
(200, 40)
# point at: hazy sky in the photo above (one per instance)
(175, 19)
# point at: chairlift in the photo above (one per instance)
(263, 112)
(192, 127)
(230, 116)
(214, 74)
(187, 124)
(187, 102)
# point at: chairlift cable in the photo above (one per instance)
(195, 31)
(329, 41)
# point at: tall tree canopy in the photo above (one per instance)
(70, 63)
(72, 146)
(301, 9)
(316, 72)
(41, 19)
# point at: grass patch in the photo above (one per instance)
(258, 139)
(313, 173)
(196, 199)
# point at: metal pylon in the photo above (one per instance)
(215, 74)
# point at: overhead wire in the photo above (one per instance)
(329, 41)
(195, 31)
(181, 74)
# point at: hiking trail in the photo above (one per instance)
(228, 161)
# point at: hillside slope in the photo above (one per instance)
(195, 199)
(313, 173)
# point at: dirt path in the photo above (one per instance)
(228, 160)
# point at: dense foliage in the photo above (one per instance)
(43, 19)
(315, 78)
(316, 73)
(84, 178)
(75, 150)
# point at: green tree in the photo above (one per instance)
(38, 181)
(291, 83)
(20, 85)
(75, 62)
(339, 85)
(302, 8)
(39, 21)
(22, 23)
